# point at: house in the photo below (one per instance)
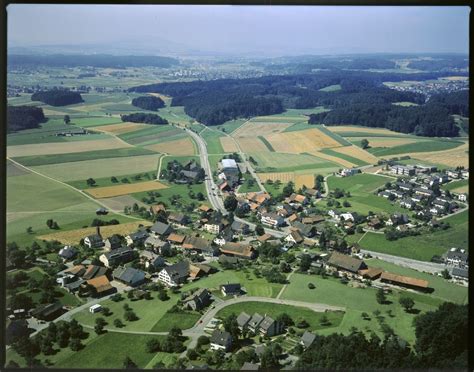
(453, 174)
(349, 172)
(137, 238)
(93, 271)
(112, 242)
(346, 263)
(200, 245)
(221, 340)
(407, 203)
(334, 214)
(155, 209)
(254, 323)
(385, 194)
(178, 219)
(397, 219)
(149, 258)
(161, 229)
(423, 192)
(346, 216)
(48, 312)
(67, 253)
(231, 289)
(293, 218)
(94, 241)
(462, 197)
(240, 227)
(457, 257)
(307, 339)
(460, 273)
(101, 285)
(272, 219)
(371, 273)
(129, 275)
(154, 242)
(294, 237)
(404, 186)
(297, 198)
(176, 239)
(198, 300)
(174, 275)
(265, 237)
(404, 281)
(307, 231)
(270, 327)
(117, 256)
(397, 194)
(205, 209)
(465, 174)
(238, 250)
(243, 320)
(313, 193)
(403, 170)
(311, 220)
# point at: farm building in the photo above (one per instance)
(160, 228)
(371, 273)
(404, 281)
(112, 242)
(346, 263)
(129, 276)
(48, 312)
(307, 339)
(101, 285)
(238, 250)
(67, 253)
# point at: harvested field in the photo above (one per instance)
(110, 191)
(117, 203)
(228, 144)
(373, 169)
(351, 128)
(184, 146)
(258, 128)
(64, 147)
(458, 156)
(334, 159)
(383, 141)
(309, 140)
(14, 170)
(73, 236)
(356, 152)
(121, 127)
(99, 168)
(284, 177)
(251, 144)
(304, 179)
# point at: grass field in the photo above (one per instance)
(251, 144)
(357, 300)
(230, 126)
(36, 148)
(458, 156)
(107, 181)
(121, 128)
(276, 161)
(385, 142)
(424, 246)
(354, 131)
(274, 310)
(213, 142)
(81, 156)
(419, 146)
(349, 158)
(81, 170)
(331, 88)
(182, 320)
(268, 144)
(457, 186)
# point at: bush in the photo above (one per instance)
(311, 286)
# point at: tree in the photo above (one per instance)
(118, 323)
(285, 319)
(289, 189)
(445, 274)
(230, 325)
(380, 296)
(364, 143)
(203, 340)
(230, 203)
(128, 363)
(305, 262)
(311, 286)
(90, 182)
(67, 119)
(259, 230)
(153, 345)
(407, 303)
(114, 179)
(106, 311)
(29, 230)
(99, 325)
(192, 354)
(75, 344)
(130, 316)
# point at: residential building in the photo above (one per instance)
(197, 300)
(294, 237)
(101, 285)
(154, 242)
(93, 241)
(178, 219)
(272, 219)
(221, 340)
(112, 242)
(67, 253)
(129, 275)
(254, 323)
(457, 257)
(270, 327)
(240, 228)
(238, 250)
(152, 259)
(174, 275)
(137, 238)
(176, 239)
(117, 256)
(462, 197)
(460, 273)
(161, 229)
(307, 339)
(346, 172)
(403, 170)
(243, 320)
(93, 271)
(346, 263)
(231, 289)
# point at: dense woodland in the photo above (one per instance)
(447, 63)
(441, 342)
(93, 60)
(362, 100)
(148, 103)
(24, 117)
(139, 117)
(57, 97)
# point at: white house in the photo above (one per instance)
(346, 216)
(462, 197)
(175, 274)
(213, 227)
(272, 219)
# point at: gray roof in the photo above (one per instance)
(138, 235)
(243, 319)
(308, 338)
(231, 287)
(255, 320)
(458, 255)
(267, 323)
(189, 174)
(67, 252)
(346, 262)
(237, 225)
(220, 337)
(94, 238)
(461, 272)
(128, 275)
(119, 252)
(160, 228)
(178, 270)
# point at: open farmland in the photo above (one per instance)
(418, 146)
(95, 121)
(458, 156)
(357, 153)
(74, 236)
(280, 162)
(251, 144)
(110, 191)
(335, 159)
(153, 134)
(460, 186)
(306, 179)
(64, 147)
(383, 141)
(118, 203)
(344, 129)
(260, 128)
(121, 127)
(212, 138)
(184, 146)
(82, 170)
(228, 144)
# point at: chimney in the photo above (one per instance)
(97, 229)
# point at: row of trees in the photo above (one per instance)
(139, 117)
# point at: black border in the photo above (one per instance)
(3, 83)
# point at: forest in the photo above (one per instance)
(24, 117)
(93, 60)
(139, 117)
(362, 100)
(148, 103)
(441, 342)
(446, 63)
(57, 97)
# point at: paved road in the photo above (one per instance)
(430, 267)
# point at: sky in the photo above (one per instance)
(257, 30)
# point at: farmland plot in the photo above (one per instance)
(184, 146)
(110, 191)
(121, 127)
(301, 141)
(458, 156)
(357, 153)
(228, 144)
